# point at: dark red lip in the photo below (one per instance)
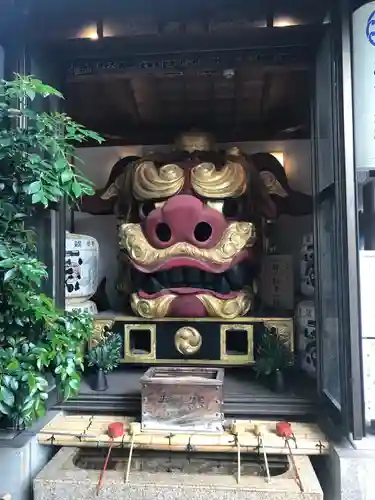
(189, 262)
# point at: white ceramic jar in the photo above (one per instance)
(88, 307)
(81, 269)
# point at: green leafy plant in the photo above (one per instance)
(106, 355)
(37, 170)
(273, 353)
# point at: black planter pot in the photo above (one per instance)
(278, 384)
(99, 381)
(11, 424)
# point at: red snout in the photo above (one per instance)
(184, 218)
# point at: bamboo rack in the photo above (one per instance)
(91, 431)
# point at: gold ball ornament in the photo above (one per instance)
(187, 340)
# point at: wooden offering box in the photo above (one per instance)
(182, 400)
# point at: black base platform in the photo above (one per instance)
(244, 396)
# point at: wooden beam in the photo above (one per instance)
(138, 73)
(286, 37)
(123, 134)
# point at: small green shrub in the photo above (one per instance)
(106, 355)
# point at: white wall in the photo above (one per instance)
(99, 161)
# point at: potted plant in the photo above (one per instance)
(104, 357)
(273, 357)
(36, 338)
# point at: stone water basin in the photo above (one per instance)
(73, 474)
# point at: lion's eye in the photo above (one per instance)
(216, 205)
(231, 208)
(147, 207)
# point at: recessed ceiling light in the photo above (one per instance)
(279, 157)
(283, 21)
(89, 31)
(228, 73)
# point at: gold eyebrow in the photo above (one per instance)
(210, 182)
(152, 183)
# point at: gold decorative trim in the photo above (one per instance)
(215, 307)
(285, 331)
(227, 308)
(111, 192)
(152, 183)
(151, 308)
(187, 340)
(195, 141)
(200, 362)
(114, 189)
(236, 237)
(243, 319)
(241, 359)
(273, 186)
(234, 151)
(129, 356)
(213, 183)
(100, 331)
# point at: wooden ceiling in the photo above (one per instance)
(234, 104)
(141, 72)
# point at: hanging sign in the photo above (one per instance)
(181, 63)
